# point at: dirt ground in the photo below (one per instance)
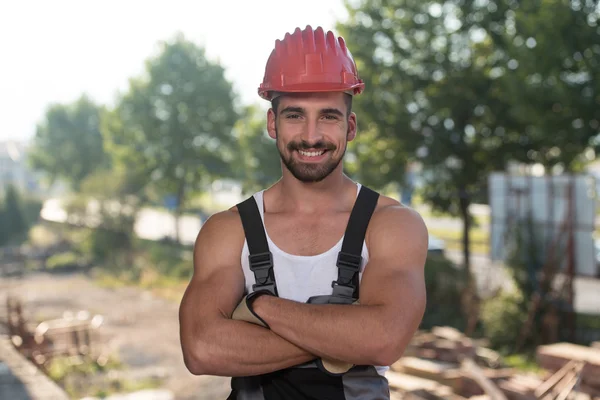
(141, 328)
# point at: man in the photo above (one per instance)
(311, 288)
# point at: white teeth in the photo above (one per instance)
(311, 153)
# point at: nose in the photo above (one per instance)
(311, 132)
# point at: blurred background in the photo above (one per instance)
(126, 124)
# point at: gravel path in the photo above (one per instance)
(142, 328)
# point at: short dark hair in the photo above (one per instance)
(347, 100)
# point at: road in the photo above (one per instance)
(154, 224)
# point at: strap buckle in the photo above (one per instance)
(348, 265)
(261, 264)
(270, 287)
(350, 261)
(342, 294)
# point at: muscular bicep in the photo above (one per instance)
(394, 276)
(217, 284)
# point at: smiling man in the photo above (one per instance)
(311, 288)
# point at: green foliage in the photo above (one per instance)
(445, 285)
(462, 87)
(259, 164)
(503, 317)
(171, 131)
(374, 160)
(523, 362)
(13, 221)
(63, 261)
(527, 254)
(92, 377)
(170, 260)
(61, 367)
(31, 209)
(555, 56)
(68, 143)
(108, 204)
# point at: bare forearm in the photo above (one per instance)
(352, 333)
(238, 348)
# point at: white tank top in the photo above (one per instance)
(300, 277)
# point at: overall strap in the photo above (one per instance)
(260, 257)
(346, 288)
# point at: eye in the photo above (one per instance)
(330, 117)
(292, 116)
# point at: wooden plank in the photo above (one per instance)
(570, 351)
(467, 386)
(515, 391)
(555, 356)
(446, 332)
(408, 383)
(475, 372)
(425, 367)
(445, 373)
(554, 379)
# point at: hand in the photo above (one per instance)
(244, 311)
(334, 367)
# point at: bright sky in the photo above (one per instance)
(53, 51)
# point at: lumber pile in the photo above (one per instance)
(445, 364)
(557, 357)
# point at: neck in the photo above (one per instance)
(312, 197)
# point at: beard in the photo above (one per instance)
(306, 172)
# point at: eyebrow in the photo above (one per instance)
(300, 110)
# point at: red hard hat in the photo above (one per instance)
(310, 61)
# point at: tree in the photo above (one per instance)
(68, 143)
(259, 163)
(115, 207)
(174, 124)
(553, 53)
(452, 84)
(12, 219)
(431, 91)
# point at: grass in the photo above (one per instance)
(164, 286)
(75, 375)
(523, 363)
(161, 269)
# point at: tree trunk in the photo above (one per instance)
(180, 198)
(470, 303)
(464, 214)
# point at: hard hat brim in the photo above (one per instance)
(269, 93)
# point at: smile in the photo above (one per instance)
(311, 153)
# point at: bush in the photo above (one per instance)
(503, 317)
(13, 225)
(31, 210)
(63, 261)
(171, 260)
(445, 285)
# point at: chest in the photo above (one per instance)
(306, 236)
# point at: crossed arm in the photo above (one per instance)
(375, 332)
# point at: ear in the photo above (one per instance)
(351, 134)
(271, 121)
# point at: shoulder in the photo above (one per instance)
(396, 228)
(221, 234)
(224, 223)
